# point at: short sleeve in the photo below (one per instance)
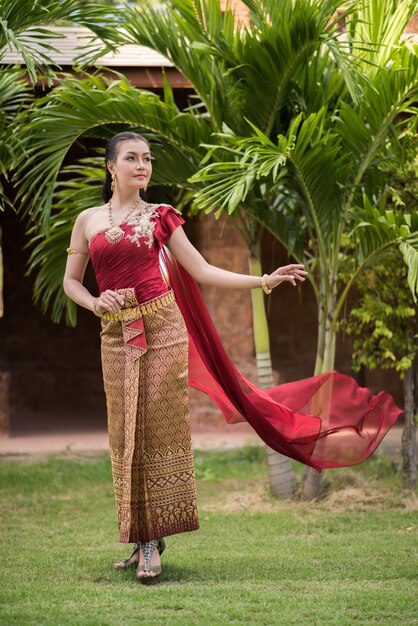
(169, 220)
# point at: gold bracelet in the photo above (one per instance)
(93, 307)
(264, 285)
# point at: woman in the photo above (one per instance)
(145, 347)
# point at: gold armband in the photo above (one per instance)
(71, 250)
(264, 285)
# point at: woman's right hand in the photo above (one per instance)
(109, 300)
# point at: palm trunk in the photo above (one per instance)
(409, 446)
(320, 345)
(325, 359)
(280, 472)
(330, 343)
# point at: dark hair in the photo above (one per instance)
(111, 155)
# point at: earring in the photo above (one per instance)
(113, 185)
(145, 188)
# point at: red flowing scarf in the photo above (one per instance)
(323, 421)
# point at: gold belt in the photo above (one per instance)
(134, 313)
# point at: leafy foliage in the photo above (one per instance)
(92, 106)
(245, 160)
(290, 130)
(25, 26)
(48, 257)
(333, 178)
(385, 319)
(14, 95)
(243, 72)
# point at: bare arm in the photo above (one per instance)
(74, 273)
(206, 274)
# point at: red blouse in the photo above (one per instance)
(134, 261)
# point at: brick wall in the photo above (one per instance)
(241, 12)
(239, 8)
(413, 25)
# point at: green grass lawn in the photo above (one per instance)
(348, 558)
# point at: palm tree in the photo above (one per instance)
(25, 27)
(323, 188)
(186, 32)
(292, 59)
(290, 50)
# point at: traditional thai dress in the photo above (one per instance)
(144, 360)
(163, 340)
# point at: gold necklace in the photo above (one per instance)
(114, 234)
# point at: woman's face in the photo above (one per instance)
(132, 167)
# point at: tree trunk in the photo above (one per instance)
(312, 479)
(320, 344)
(409, 447)
(312, 483)
(281, 475)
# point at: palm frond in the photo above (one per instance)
(14, 95)
(374, 227)
(241, 72)
(238, 163)
(296, 32)
(376, 233)
(379, 26)
(410, 256)
(80, 190)
(24, 27)
(389, 103)
(176, 30)
(92, 106)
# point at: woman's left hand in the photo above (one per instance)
(287, 273)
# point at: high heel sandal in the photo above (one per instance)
(148, 548)
(130, 561)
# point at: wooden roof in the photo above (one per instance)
(141, 65)
(68, 48)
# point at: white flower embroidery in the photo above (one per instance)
(143, 225)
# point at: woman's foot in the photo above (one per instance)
(149, 565)
(132, 560)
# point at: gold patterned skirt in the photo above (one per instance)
(145, 373)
